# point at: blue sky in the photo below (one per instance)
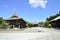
(29, 10)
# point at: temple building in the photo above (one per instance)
(15, 22)
(56, 22)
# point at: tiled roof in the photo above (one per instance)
(57, 18)
(15, 16)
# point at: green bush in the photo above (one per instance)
(2, 26)
(29, 25)
(47, 24)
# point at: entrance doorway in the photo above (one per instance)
(16, 26)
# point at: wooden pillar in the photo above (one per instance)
(8, 27)
(13, 26)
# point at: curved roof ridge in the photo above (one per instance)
(14, 16)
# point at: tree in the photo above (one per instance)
(29, 24)
(1, 20)
(41, 24)
(47, 24)
(52, 17)
(3, 23)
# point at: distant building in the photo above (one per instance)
(35, 24)
(16, 22)
(56, 22)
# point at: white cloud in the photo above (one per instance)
(38, 3)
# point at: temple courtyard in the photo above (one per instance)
(34, 33)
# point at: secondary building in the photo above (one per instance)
(56, 22)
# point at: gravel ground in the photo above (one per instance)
(35, 33)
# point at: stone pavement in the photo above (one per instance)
(31, 34)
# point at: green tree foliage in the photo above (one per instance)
(3, 24)
(29, 24)
(52, 17)
(47, 24)
(41, 24)
(1, 20)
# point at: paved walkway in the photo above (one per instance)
(36, 33)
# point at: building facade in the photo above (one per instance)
(16, 22)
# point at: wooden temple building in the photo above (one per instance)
(56, 22)
(15, 22)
